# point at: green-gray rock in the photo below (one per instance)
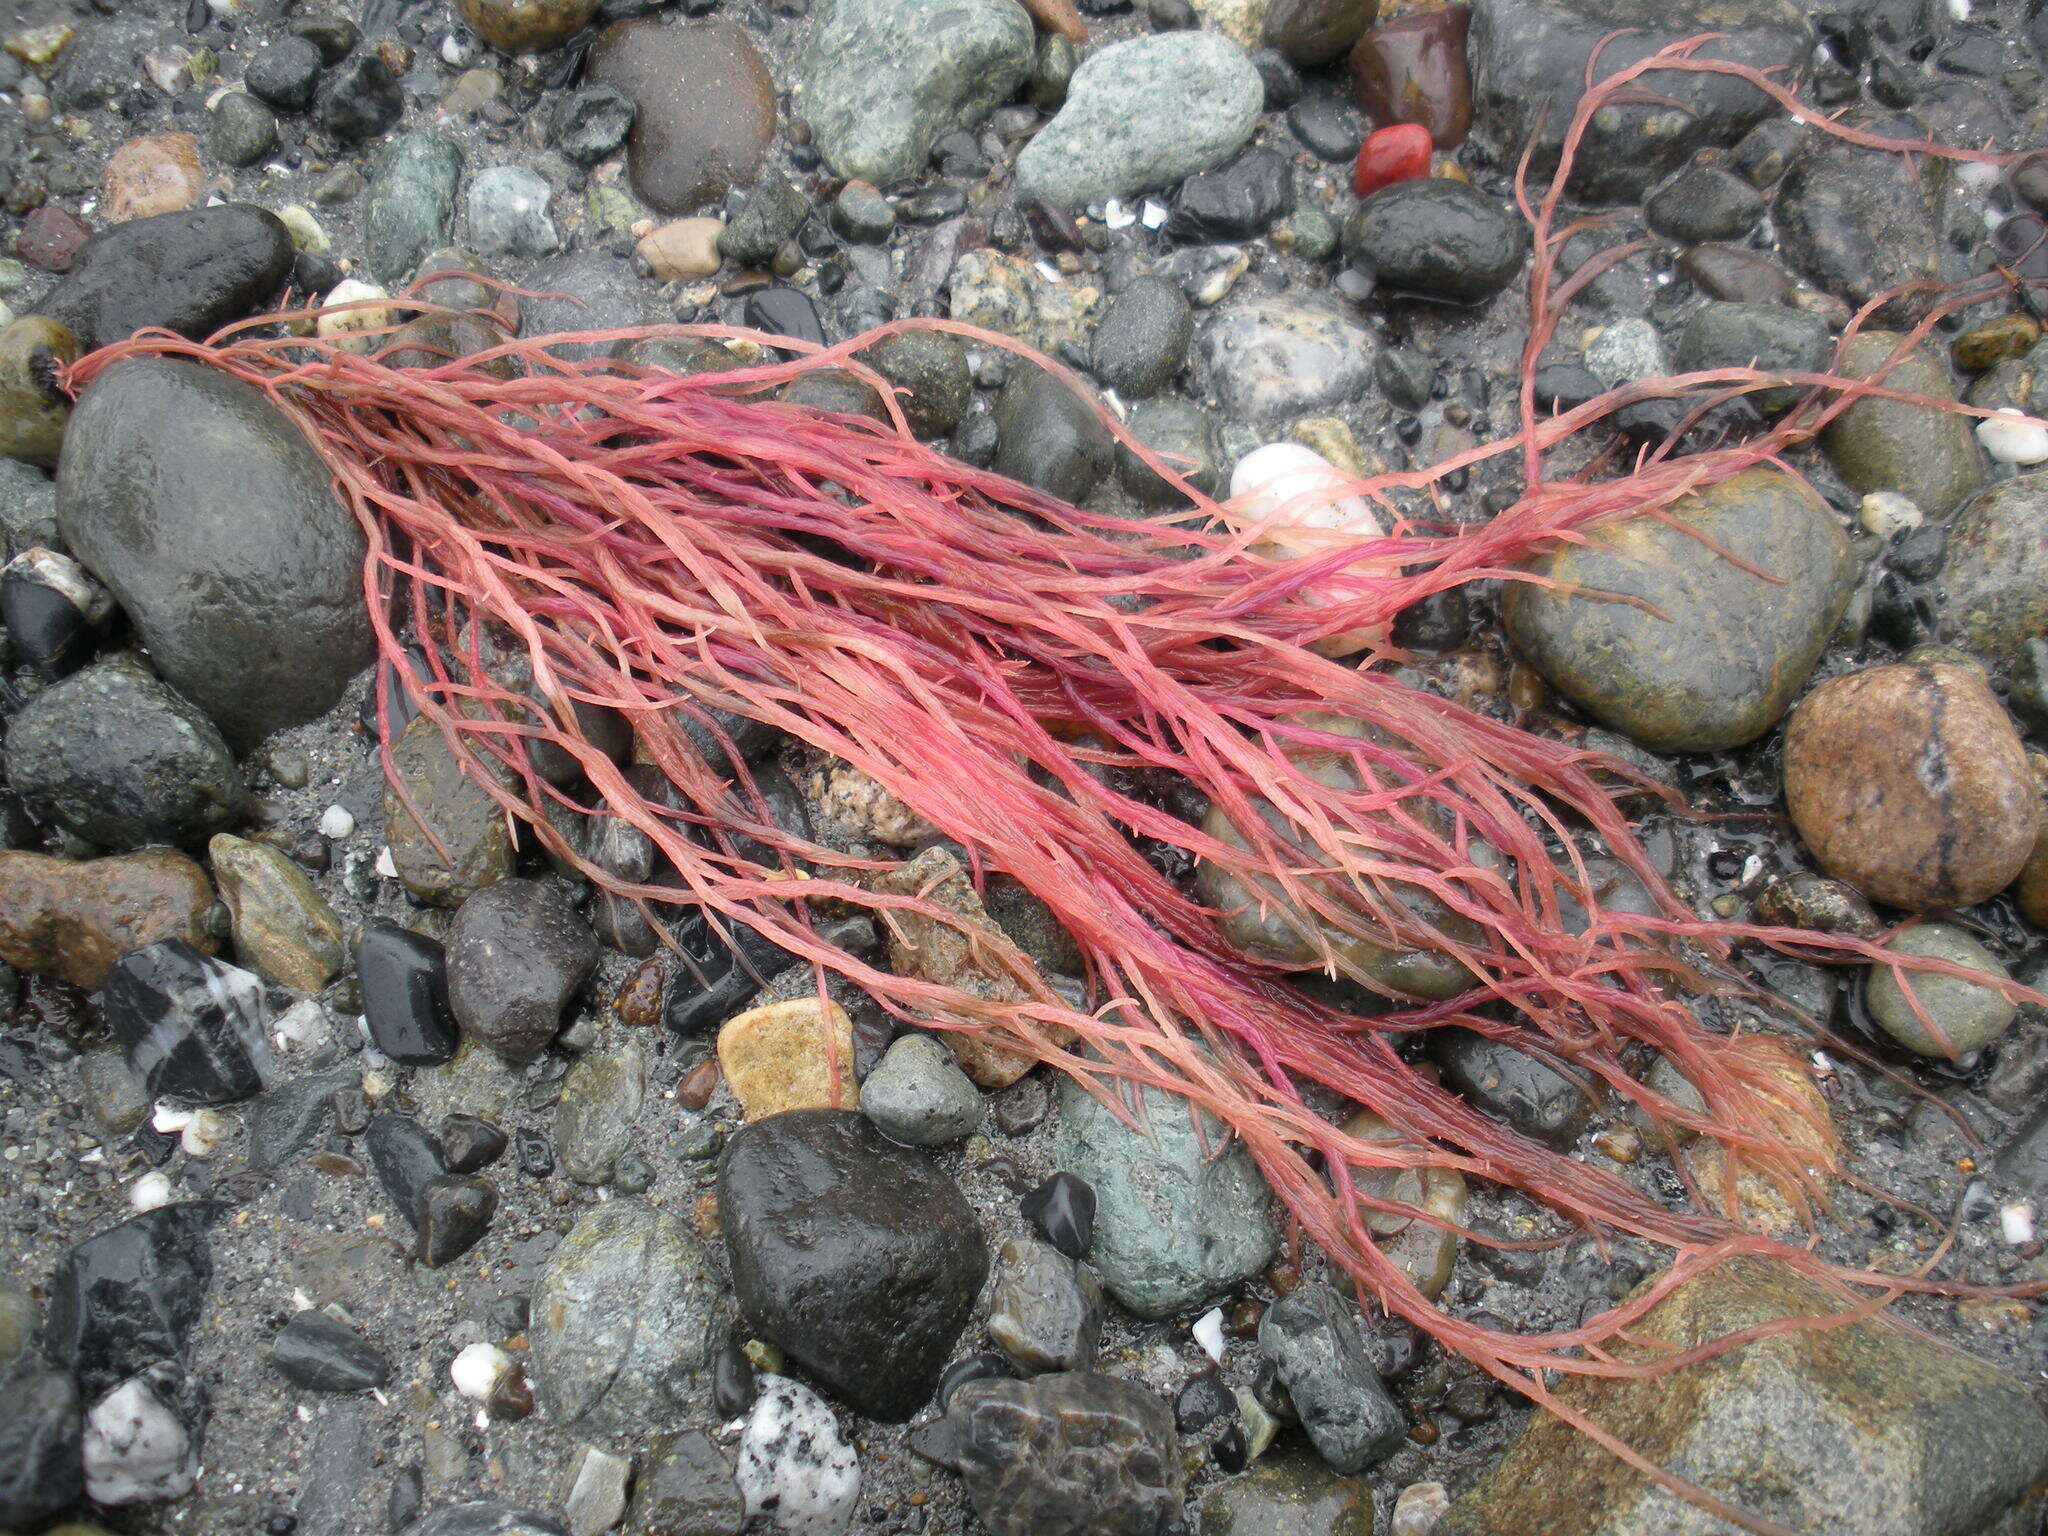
(1995, 582)
(881, 79)
(1968, 1016)
(215, 524)
(918, 1095)
(114, 756)
(930, 368)
(1179, 1219)
(1049, 437)
(686, 1489)
(621, 1322)
(412, 201)
(1179, 431)
(601, 1100)
(1726, 651)
(1773, 337)
(28, 506)
(1288, 1496)
(1928, 455)
(2019, 383)
(1143, 114)
(465, 819)
(1872, 1428)
(240, 130)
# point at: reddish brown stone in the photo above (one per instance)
(1909, 782)
(152, 175)
(526, 26)
(704, 107)
(51, 239)
(694, 1089)
(1412, 69)
(1739, 277)
(639, 999)
(74, 920)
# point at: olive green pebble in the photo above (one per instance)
(1968, 1016)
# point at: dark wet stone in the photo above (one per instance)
(322, 1354)
(361, 100)
(1439, 239)
(931, 370)
(1205, 1400)
(714, 979)
(1288, 1496)
(1312, 32)
(768, 217)
(1728, 651)
(405, 1158)
(1859, 221)
(240, 130)
(403, 977)
(1741, 277)
(1874, 1426)
(1044, 1312)
(334, 36)
(215, 524)
(686, 1489)
(1412, 69)
(733, 1386)
(1236, 201)
(42, 1438)
(784, 312)
(1767, 336)
(1180, 432)
(1995, 581)
(1529, 61)
(469, 849)
(857, 1257)
(621, 1318)
(451, 1214)
(517, 954)
(1704, 202)
(412, 201)
(1142, 340)
(704, 107)
(283, 1122)
(471, 1144)
(1331, 130)
(487, 1518)
(1068, 1453)
(284, 72)
(114, 756)
(44, 622)
(191, 1025)
(189, 272)
(1048, 436)
(973, 1368)
(1313, 1338)
(1063, 1210)
(130, 1297)
(1531, 1095)
(590, 123)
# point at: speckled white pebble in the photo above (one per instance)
(2011, 438)
(477, 1371)
(1299, 482)
(150, 1191)
(336, 823)
(169, 1119)
(1885, 513)
(1419, 1507)
(136, 1450)
(348, 323)
(794, 1465)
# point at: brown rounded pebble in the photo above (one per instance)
(148, 176)
(525, 26)
(1909, 782)
(682, 248)
(74, 920)
(639, 1001)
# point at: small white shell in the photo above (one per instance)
(2011, 438)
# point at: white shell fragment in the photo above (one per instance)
(150, 1191)
(136, 1450)
(1208, 1332)
(1885, 513)
(477, 1371)
(2011, 438)
(1302, 487)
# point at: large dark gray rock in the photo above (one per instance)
(213, 522)
(41, 1439)
(1873, 1428)
(517, 952)
(1313, 1338)
(1859, 221)
(190, 272)
(1995, 582)
(1529, 62)
(859, 1258)
(113, 755)
(1722, 652)
(130, 1297)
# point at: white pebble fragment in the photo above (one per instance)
(169, 1119)
(1302, 487)
(794, 1465)
(205, 1133)
(386, 865)
(2016, 1221)
(136, 1450)
(477, 1371)
(1117, 216)
(150, 1191)
(336, 823)
(1208, 1332)
(2012, 438)
(1154, 214)
(1885, 513)
(1419, 1507)
(303, 1025)
(373, 316)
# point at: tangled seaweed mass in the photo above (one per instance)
(1024, 675)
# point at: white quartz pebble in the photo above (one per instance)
(794, 1465)
(477, 1371)
(150, 1191)
(1303, 486)
(1208, 1332)
(1885, 513)
(1419, 1507)
(2011, 438)
(336, 823)
(136, 1449)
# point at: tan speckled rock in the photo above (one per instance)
(74, 920)
(283, 925)
(1909, 782)
(159, 173)
(682, 248)
(775, 1058)
(467, 821)
(525, 26)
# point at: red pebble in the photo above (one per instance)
(1397, 152)
(51, 239)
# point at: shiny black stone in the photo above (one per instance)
(1330, 129)
(536, 1157)
(1202, 1402)
(46, 628)
(405, 1158)
(452, 1214)
(42, 1436)
(397, 702)
(1230, 1449)
(1281, 79)
(130, 1297)
(470, 1144)
(732, 1381)
(190, 1024)
(1533, 1096)
(404, 981)
(1233, 202)
(322, 1354)
(1561, 386)
(1063, 1210)
(973, 1368)
(361, 101)
(784, 312)
(711, 979)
